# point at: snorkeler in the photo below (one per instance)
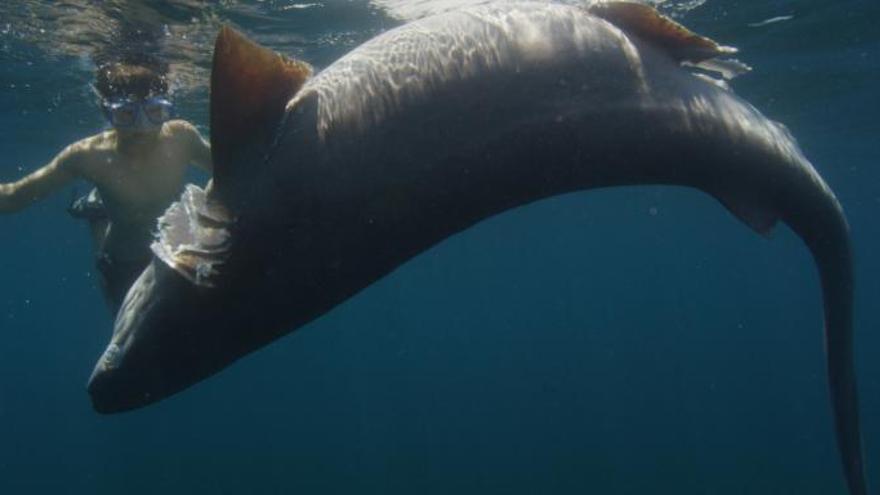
(138, 169)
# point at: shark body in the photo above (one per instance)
(324, 184)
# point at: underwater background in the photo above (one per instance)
(624, 341)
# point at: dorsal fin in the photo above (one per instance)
(645, 22)
(250, 86)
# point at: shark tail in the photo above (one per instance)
(826, 233)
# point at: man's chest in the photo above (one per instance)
(141, 180)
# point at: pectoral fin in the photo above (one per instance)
(758, 217)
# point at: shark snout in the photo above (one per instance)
(100, 388)
(156, 347)
(115, 388)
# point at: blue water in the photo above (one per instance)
(625, 341)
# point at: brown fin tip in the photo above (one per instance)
(647, 23)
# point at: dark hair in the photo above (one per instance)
(139, 77)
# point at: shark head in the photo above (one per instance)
(169, 332)
(136, 368)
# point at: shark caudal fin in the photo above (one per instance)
(828, 239)
(250, 86)
(815, 215)
(809, 207)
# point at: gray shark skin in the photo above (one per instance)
(422, 132)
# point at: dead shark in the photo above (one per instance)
(325, 183)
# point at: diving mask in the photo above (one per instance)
(126, 113)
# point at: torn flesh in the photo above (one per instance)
(193, 236)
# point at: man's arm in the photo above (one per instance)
(198, 150)
(51, 177)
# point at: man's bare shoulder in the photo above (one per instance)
(195, 149)
(86, 150)
(180, 129)
(101, 141)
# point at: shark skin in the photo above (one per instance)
(326, 183)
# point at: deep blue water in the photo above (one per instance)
(624, 341)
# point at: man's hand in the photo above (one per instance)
(35, 186)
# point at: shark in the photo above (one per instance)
(326, 182)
